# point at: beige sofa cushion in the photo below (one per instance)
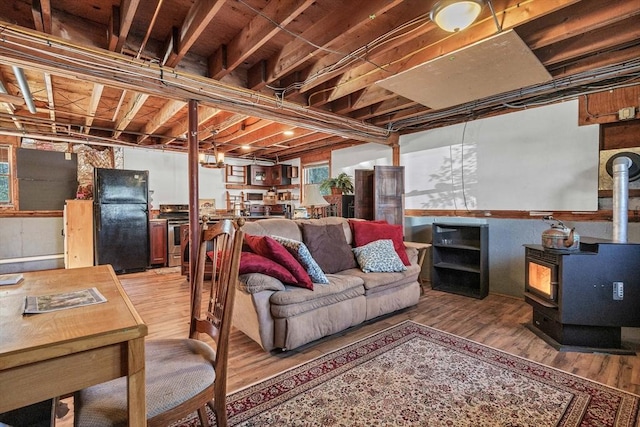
(278, 226)
(253, 283)
(294, 301)
(374, 281)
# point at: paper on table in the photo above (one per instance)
(61, 301)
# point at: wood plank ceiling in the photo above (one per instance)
(121, 71)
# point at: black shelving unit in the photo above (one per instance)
(461, 259)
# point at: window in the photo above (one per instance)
(315, 173)
(5, 175)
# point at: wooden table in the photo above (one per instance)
(422, 251)
(51, 354)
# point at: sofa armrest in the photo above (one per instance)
(253, 283)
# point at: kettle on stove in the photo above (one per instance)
(560, 236)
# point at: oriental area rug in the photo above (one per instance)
(414, 375)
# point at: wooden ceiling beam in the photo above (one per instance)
(384, 107)
(327, 33)
(576, 19)
(387, 23)
(273, 140)
(415, 111)
(96, 94)
(295, 141)
(431, 45)
(276, 14)
(41, 11)
(120, 24)
(321, 95)
(164, 114)
(198, 18)
(29, 49)
(278, 139)
(50, 102)
(179, 130)
(326, 143)
(11, 100)
(346, 103)
(258, 133)
(372, 95)
(135, 101)
(621, 33)
(596, 61)
(113, 30)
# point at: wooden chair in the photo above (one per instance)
(182, 375)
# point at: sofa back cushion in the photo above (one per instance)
(328, 246)
(274, 226)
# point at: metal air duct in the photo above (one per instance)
(24, 87)
(623, 167)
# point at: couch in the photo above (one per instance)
(282, 316)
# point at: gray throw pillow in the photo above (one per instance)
(329, 247)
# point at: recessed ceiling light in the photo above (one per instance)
(245, 147)
(288, 133)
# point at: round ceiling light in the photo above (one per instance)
(456, 15)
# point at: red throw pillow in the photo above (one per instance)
(368, 231)
(254, 263)
(270, 248)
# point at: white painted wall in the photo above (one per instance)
(169, 177)
(364, 156)
(537, 159)
(542, 142)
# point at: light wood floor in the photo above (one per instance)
(161, 297)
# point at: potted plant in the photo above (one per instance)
(341, 184)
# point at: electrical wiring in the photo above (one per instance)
(571, 87)
(358, 54)
(132, 73)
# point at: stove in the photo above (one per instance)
(174, 212)
(176, 216)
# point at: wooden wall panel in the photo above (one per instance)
(603, 107)
(620, 135)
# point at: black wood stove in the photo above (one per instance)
(581, 299)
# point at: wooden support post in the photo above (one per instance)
(194, 225)
(394, 139)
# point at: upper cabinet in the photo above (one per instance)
(270, 176)
(257, 175)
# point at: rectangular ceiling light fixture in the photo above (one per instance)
(499, 64)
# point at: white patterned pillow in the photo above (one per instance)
(378, 256)
(301, 253)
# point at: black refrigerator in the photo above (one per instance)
(121, 219)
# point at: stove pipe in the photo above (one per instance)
(621, 167)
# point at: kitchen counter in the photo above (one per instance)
(213, 220)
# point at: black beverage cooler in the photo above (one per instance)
(594, 292)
